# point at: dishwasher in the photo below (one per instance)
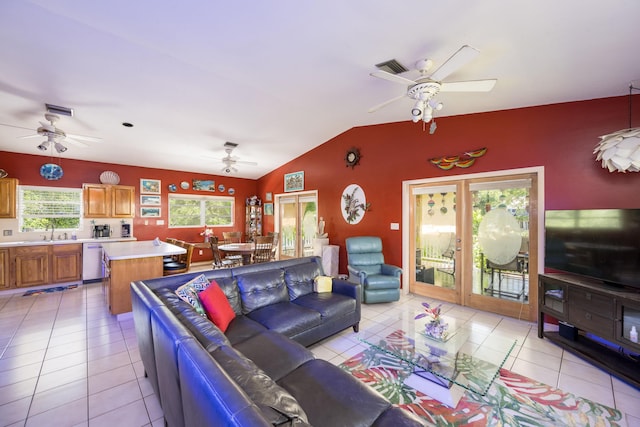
(92, 262)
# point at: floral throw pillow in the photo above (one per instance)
(189, 292)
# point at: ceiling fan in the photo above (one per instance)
(428, 84)
(55, 135)
(230, 161)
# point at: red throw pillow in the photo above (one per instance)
(217, 306)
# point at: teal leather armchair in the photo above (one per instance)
(380, 282)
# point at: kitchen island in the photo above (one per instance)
(126, 262)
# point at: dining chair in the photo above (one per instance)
(182, 263)
(170, 258)
(218, 260)
(262, 249)
(276, 241)
(232, 237)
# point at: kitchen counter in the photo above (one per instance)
(65, 242)
(126, 262)
(143, 249)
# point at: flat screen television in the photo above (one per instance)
(600, 243)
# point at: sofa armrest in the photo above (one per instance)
(391, 270)
(349, 289)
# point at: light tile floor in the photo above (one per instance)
(65, 361)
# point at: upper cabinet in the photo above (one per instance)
(108, 201)
(8, 188)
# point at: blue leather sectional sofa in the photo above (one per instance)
(259, 372)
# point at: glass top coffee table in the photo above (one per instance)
(442, 368)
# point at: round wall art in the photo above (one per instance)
(51, 171)
(354, 204)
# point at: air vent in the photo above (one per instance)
(392, 66)
(230, 145)
(56, 109)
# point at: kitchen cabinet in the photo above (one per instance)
(35, 265)
(108, 201)
(5, 269)
(66, 263)
(31, 265)
(8, 189)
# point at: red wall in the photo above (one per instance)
(26, 168)
(560, 137)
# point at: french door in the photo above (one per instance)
(296, 221)
(475, 242)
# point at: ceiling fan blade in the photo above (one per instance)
(14, 126)
(30, 136)
(465, 54)
(392, 77)
(469, 86)
(84, 138)
(75, 142)
(385, 103)
(242, 162)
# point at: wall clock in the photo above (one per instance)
(352, 157)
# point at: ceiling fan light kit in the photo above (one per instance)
(424, 89)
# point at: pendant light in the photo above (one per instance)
(620, 151)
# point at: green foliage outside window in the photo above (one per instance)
(43, 207)
(196, 211)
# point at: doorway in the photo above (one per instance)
(296, 221)
(473, 241)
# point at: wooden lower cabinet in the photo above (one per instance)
(5, 269)
(121, 273)
(31, 265)
(40, 265)
(66, 263)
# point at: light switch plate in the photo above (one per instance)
(7, 232)
(395, 226)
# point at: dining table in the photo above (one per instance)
(243, 249)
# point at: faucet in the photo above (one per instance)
(53, 227)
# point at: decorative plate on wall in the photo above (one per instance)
(232, 191)
(184, 185)
(109, 177)
(221, 188)
(51, 171)
(173, 188)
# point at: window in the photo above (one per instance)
(195, 211)
(42, 207)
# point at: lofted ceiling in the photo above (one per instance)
(282, 77)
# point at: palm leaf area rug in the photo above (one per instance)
(513, 400)
(48, 290)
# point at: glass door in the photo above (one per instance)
(296, 222)
(475, 242)
(437, 241)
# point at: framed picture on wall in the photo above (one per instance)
(268, 208)
(268, 197)
(146, 212)
(150, 186)
(294, 181)
(145, 199)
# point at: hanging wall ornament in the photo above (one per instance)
(51, 171)
(354, 204)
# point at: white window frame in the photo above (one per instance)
(58, 214)
(203, 200)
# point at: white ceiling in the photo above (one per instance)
(282, 77)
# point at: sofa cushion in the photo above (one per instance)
(229, 286)
(209, 335)
(332, 397)
(261, 289)
(189, 292)
(329, 305)
(276, 403)
(287, 318)
(274, 353)
(217, 306)
(299, 279)
(242, 328)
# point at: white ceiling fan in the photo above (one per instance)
(428, 84)
(230, 161)
(55, 136)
